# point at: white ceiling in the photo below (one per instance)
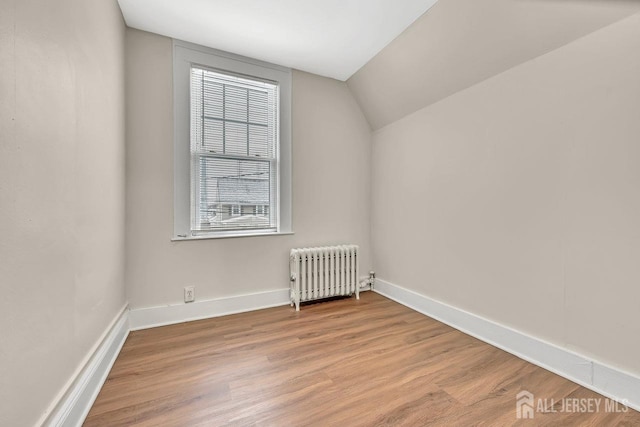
(333, 38)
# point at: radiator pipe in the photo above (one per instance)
(364, 281)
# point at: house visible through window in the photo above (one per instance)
(234, 152)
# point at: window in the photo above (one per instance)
(232, 145)
(234, 141)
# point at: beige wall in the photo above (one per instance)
(61, 193)
(517, 199)
(459, 43)
(331, 188)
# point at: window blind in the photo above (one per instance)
(234, 152)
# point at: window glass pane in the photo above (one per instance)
(235, 140)
(212, 96)
(231, 191)
(235, 103)
(259, 141)
(233, 116)
(212, 136)
(258, 107)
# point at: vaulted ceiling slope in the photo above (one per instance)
(459, 43)
(333, 38)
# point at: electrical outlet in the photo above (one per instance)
(189, 293)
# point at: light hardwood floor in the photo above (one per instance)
(339, 363)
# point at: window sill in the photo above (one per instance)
(229, 235)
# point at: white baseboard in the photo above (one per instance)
(72, 407)
(597, 376)
(144, 318)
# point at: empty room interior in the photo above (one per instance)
(319, 212)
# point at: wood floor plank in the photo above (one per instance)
(346, 362)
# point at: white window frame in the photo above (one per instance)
(184, 56)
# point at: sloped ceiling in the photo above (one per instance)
(459, 43)
(332, 38)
